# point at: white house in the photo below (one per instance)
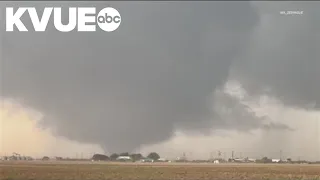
(216, 162)
(162, 160)
(124, 158)
(276, 160)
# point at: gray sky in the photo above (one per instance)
(164, 70)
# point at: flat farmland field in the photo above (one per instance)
(153, 171)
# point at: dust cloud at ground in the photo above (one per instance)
(20, 133)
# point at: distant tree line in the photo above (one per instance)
(134, 157)
(288, 160)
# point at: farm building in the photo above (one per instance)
(147, 160)
(239, 160)
(162, 160)
(124, 158)
(251, 160)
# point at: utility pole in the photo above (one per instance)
(190, 155)
(317, 137)
(280, 155)
(232, 155)
(2, 56)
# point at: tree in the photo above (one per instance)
(124, 154)
(59, 158)
(136, 157)
(153, 155)
(266, 160)
(114, 156)
(100, 157)
(45, 158)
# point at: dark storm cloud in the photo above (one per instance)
(134, 85)
(283, 58)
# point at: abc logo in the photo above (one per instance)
(109, 19)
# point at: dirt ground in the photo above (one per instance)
(37, 170)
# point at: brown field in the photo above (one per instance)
(155, 171)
